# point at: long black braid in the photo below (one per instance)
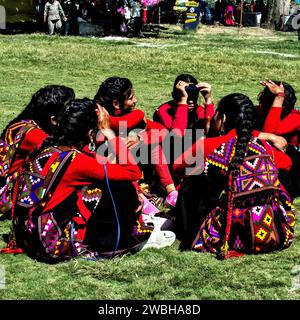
(239, 112)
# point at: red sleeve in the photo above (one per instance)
(210, 110)
(132, 119)
(32, 140)
(274, 124)
(255, 133)
(178, 121)
(201, 149)
(154, 133)
(206, 112)
(86, 169)
(281, 160)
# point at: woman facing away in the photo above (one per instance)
(25, 133)
(240, 205)
(69, 204)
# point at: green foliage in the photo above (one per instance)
(232, 61)
(18, 11)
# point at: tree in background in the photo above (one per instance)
(19, 11)
(272, 11)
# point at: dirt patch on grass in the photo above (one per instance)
(220, 29)
(245, 32)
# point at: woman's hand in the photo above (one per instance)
(278, 142)
(205, 89)
(181, 87)
(277, 90)
(131, 142)
(273, 87)
(104, 122)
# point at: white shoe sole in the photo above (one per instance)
(158, 222)
(159, 239)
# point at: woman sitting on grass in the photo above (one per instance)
(69, 204)
(25, 133)
(238, 204)
(183, 112)
(118, 97)
(277, 109)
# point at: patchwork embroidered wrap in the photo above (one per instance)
(82, 223)
(57, 234)
(13, 137)
(262, 218)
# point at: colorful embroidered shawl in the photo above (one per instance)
(13, 137)
(263, 216)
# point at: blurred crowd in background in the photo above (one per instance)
(132, 17)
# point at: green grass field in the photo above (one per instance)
(232, 61)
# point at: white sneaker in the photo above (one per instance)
(159, 239)
(159, 223)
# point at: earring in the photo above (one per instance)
(92, 146)
(221, 132)
(117, 112)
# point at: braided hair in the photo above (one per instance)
(46, 102)
(239, 112)
(266, 99)
(74, 124)
(113, 88)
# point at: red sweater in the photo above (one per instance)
(167, 116)
(30, 142)
(132, 119)
(86, 170)
(289, 127)
(136, 120)
(206, 146)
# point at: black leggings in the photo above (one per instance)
(102, 227)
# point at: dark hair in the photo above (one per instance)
(46, 102)
(74, 123)
(113, 88)
(266, 98)
(176, 94)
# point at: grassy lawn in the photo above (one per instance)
(232, 61)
